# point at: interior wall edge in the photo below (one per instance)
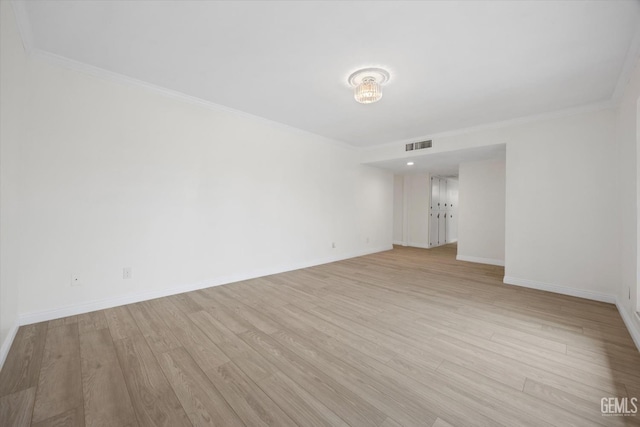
(480, 260)
(629, 323)
(89, 306)
(8, 341)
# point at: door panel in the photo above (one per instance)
(433, 228)
(435, 193)
(443, 194)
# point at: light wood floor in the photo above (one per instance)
(404, 337)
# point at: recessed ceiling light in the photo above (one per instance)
(409, 163)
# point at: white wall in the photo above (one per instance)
(398, 209)
(627, 132)
(417, 205)
(481, 211)
(12, 96)
(112, 175)
(561, 205)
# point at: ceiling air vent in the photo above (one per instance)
(418, 145)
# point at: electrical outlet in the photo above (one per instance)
(75, 280)
(127, 273)
(333, 245)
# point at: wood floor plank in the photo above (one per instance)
(248, 400)
(198, 345)
(219, 333)
(416, 355)
(633, 390)
(558, 366)
(233, 346)
(441, 423)
(248, 315)
(390, 422)
(153, 328)
(521, 407)
(153, 399)
(349, 406)
(22, 367)
(429, 394)
(16, 409)
(620, 361)
(291, 317)
(60, 384)
(393, 399)
(72, 418)
(55, 323)
(202, 402)
(385, 338)
(94, 321)
(185, 302)
(301, 405)
(64, 321)
(121, 324)
(568, 401)
(220, 312)
(106, 398)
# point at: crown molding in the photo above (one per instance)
(24, 27)
(104, 74)
(633, 52)
(588, 108)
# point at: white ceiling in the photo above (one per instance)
(442, 164)
(453, 64)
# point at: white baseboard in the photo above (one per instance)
(89, 306)
(632, 327)
(559, 289)
(479, 260)
(399, 243)
(6, 345)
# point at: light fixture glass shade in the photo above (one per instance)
(368, 91)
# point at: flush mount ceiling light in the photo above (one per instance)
(368, 84)
(409, 163)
